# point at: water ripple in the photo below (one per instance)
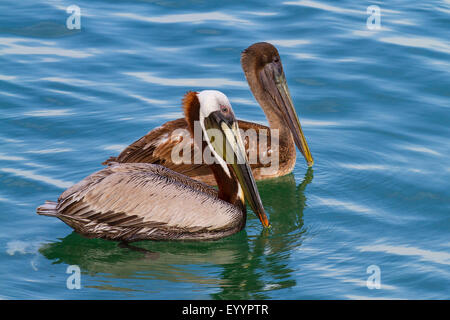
(186, 82)
(10, 46)
(440, 257)
(49, 113)
(418, 42)
(37, 177)
(195, 18)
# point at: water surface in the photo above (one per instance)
(374, 105)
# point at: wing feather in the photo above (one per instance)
(157, 145)
(144, 200)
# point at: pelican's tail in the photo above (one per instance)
(48, 209)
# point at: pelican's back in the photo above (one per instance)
(138, 201)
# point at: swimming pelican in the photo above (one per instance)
(264, 72)
(142, 201)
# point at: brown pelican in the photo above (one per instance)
(142, 201)
(264, 72)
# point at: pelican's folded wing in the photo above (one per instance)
(158, 145)
(144, 201)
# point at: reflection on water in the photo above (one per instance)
(260, 259)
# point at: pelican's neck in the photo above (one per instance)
(229, 188)
(273, 115)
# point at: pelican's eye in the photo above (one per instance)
(224, 109)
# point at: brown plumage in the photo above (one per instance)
(157, 145)
(141, 201)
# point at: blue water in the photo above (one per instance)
(374, 105)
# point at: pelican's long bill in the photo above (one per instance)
(274, 81)
(228, 145)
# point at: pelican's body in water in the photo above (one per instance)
(141, 201)
(264, 72)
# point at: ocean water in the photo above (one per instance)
(373, 103)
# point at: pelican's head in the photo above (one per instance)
(221, 132)
(264, 72)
